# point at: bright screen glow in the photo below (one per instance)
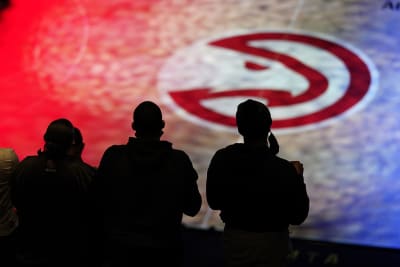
(327, 69)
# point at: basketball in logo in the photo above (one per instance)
(307, 80)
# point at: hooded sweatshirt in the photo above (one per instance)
(142, 190)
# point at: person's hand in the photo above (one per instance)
(273, 144)
(298, 166)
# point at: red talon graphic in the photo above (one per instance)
(294, 80)
(254, 66)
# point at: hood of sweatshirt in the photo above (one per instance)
(148, 153)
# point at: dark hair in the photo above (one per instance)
(253, 119)
(147, 119)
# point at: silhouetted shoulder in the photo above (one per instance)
(113, 151)
(29, 158)
(180, 153)
(115, 148)
(285, 163)
(28, 163)
(237, 147)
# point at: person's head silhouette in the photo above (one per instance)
(58, 138)
(253, 119)
(147, 120)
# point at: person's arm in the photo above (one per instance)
(300, 200)
(15, 184)
(192, 196)
(214, 184)
(9, 160)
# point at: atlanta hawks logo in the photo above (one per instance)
(305, 79)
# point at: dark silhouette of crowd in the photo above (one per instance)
(58, 210)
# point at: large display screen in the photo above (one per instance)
(328, 70)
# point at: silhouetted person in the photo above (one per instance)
(50, 200)
(8, 216)
(75, 152)
(4, 4)
(143, 188)
(258, 194)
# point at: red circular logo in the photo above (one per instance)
(306, 80)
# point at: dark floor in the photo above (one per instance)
(203, 249)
